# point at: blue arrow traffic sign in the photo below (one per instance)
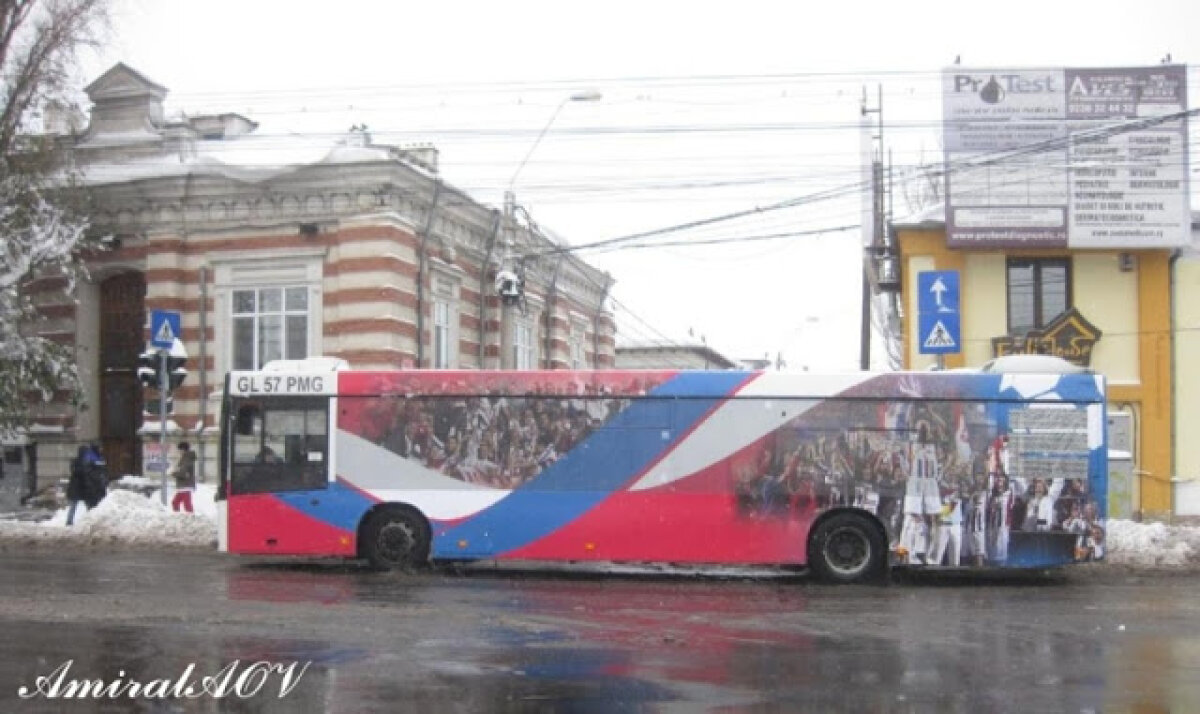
(937, 291)
(939, 324)
(164, 328)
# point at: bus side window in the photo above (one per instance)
(247, 431)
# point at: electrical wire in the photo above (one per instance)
(984, 161)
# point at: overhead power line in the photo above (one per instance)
(991, 159)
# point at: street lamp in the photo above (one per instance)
(588, 96)
(513, 291)
(510, 279)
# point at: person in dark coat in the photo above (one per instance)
(87, 482)
(97, 477)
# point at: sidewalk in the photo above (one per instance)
(11, 508)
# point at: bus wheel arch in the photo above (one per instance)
(848, 545)
(395, 536)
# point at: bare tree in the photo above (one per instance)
(42, 227)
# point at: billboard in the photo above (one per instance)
(1080, 158)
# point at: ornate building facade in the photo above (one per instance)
(353, 250)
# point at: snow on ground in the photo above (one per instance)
(1153, 544)
(127, 516)
(133, 514)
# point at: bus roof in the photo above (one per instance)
(676, 383)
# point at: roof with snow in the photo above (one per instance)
(129, 138)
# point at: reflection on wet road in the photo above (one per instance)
(1094, 640)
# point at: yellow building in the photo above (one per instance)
(1185, 303)
(1132, 315)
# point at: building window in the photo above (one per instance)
(443, 335)
(578, 359)
(522, 343)
(1039, 290)
(444, 305)
(269, 324)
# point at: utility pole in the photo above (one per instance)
(878, 238)
(423, 271)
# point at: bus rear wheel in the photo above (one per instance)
(396, 539)
(847, 548)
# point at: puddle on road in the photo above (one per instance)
(603, 665)
(522, 643)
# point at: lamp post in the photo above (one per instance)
(509, 280)
(589, 96)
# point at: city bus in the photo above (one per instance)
(844, 475)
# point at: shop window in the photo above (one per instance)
(1039, 289)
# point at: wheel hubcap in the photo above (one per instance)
(396, 541)
(847, 551)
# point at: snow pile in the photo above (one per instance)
(134, 483)
(126, 517)
(1153, 544)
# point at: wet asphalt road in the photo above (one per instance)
(1093, 640)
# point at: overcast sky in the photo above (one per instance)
(704, 112)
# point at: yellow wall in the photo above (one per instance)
(1152, 398)
(1187, 384)
(914, 359)
(921, 251)
(1107, 297)
(986, 314)
(1130, 308)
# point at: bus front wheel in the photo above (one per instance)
(847, 548)
(396, 539)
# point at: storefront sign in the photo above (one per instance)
(1069, 336)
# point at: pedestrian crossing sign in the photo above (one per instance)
(939, 322)
(164, 328)
(939, 334)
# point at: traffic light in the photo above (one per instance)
(148, 365)
(176, 372)
(153, 407)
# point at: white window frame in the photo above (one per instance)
(285, 313)
(445, 320)
(578, 353)
(258, 269)
(443, 347)
(524, 350)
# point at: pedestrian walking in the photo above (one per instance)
(88, 482)
(97, 477)
(185, 478)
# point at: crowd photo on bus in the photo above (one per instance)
(939, 473)
(491, 440)
(935, 472)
